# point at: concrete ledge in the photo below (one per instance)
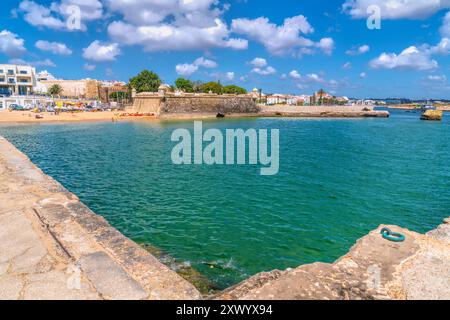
(417, 269)
(116, 266)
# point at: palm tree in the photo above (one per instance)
(321, 94)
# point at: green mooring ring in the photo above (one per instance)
(392, 236)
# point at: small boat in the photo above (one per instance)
(426, 107)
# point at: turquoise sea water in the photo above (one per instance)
(339, 179)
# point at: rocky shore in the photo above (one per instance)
(53, 247)
(375, 268)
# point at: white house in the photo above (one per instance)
(17, 79)
(281, 99)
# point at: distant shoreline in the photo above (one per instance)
(410, 107)
(29, 117)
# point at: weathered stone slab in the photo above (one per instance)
(110, 280)
(58, 285)
(442, 232)
(10, 287)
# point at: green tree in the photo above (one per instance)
(321, 93)
(185, 85)
(232, 89)
(55, 90)
(214, 87)
(146, 81)
(119, 96)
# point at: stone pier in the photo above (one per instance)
(53, 247)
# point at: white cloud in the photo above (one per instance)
(170, 37)
(186, 69)
(101, 52)
(264, 71)
(206, 63)
(38, 15)
(415, 58)
(358, 51)
(39, 63)
(315, 81)
(229, 76)
(159, 25)
(363, 75)
(347, 66)
(283, 39)
(443, 47)
(54, 47)
(294, 74)
(56, 15)
(152, 12)
(327, 45)
(445, 29)
(259, 62)
(410, 58)
(11, 44)
(43, 63)
(261, 67)
(89, 67)
(396, 9)
(314, 77)
(437, 78)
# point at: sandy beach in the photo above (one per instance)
(30, 117)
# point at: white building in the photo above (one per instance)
(45, 76)
(281, 99)
(17, 79)
(365, 103)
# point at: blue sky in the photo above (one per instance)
(281, 46)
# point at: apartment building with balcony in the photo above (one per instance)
(17, 79)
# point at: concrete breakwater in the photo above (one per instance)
(323, 111)
(167, 105)
(52, 246)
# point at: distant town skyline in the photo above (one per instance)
(296, 48)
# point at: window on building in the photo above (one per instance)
(11, 80)
(10, 71)
(2, 79)
(23, 72)
(1, 71)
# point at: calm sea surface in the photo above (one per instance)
(338, 180)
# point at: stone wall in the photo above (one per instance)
(225, 104)
(193, 104)
(147, 103)
(87, 88)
